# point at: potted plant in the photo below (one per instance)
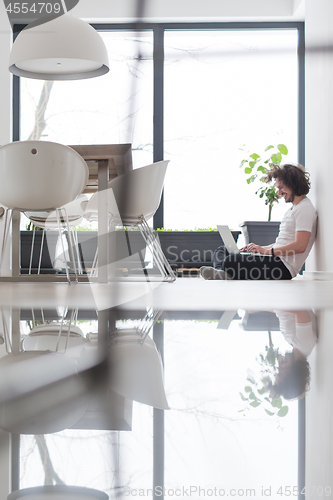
(256, 167)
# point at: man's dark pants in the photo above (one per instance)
(249, 266)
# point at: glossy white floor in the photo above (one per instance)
(190, 294)
(195, 294)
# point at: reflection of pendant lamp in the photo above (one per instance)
(65, 48)
(45, 393)
(58, 492)
(42, 391)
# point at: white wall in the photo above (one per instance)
(6, 100)
(319, 424)
(319, 130)
(319, 122)
(5, 77)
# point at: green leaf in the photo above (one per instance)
(248, 170)
(277, 403)
(269, 147)
(255, 404)
(252, 163)
(248, 389)
(269, 412)
(250, 379)
(252, 396)
(254, 156)
(262, 169)
(262, 390)
(283, 411)
(251, 179)
(283, 149)
(243, 397)
(276, 158)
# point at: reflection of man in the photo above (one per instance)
(293, 376)
(284, 258)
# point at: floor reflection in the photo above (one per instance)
(150, 402)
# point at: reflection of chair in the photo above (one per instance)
(136, 365)
(48, 220)
(58, 492)
(137, 194)
(53, 337)
(40, 176)
(45, 392)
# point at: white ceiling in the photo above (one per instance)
(192, 10)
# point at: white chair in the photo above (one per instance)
(133, 199)
(48, 220)
(42, 390)
(40, 176)
(136, 366)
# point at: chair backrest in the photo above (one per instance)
(40, 175)
(138, 192)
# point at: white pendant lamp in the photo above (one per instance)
(65, 48)
(58, 492)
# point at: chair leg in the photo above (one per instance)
(149, 240)
(76, 245)
(41, 251)
(158, 255)
(140, 256)
(93, 271)
(70, 243)
(32, 249)
(58, 213)
(7, 225)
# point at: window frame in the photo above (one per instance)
(158, 30)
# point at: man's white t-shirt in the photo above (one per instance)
(301, 217)
(302, 336)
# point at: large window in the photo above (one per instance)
(217, 88)
(116, 108)
(224, 90)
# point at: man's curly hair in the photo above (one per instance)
(293, 176)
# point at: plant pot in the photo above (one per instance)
(191, 248)
(260, 232)
(48, 253)
(128, 246)
(87, 248)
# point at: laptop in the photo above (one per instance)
(230, 243)
(228, 240)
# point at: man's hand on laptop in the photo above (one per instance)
(253, 248)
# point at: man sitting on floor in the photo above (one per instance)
(283, 259)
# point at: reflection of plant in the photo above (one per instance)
(256, 392)
(256, 167)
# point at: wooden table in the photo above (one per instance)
(105, 161)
